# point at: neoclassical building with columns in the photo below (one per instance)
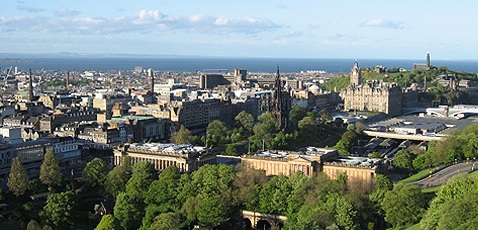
(187, 158)
(312, 161)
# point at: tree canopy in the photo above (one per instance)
(182, 136)
(58, 210)
(50, 173)
(95, 172)
(117, 178)
(17, 178)
(455, 206)
(404, 205)
(108, 222)
(245, 119)
(215, 133)
(143, 175)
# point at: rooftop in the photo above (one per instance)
(356, 161)
(160, 147)
(132, 117)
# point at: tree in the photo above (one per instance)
(359, 127)
(244, 184)
(162, 195)
(50, 173)
(273, 196)
(345, 214)
(95, 172)
(231, 150)
(375, 155)
(215, 133)
(456, 203)
(183, 136)
(308, 127)
(18, 178)
(143, 175)
(118, 177)
(58, 210)
(403, 160)
(404, 205)
(168, 220)
(128, 210)
(325, 115)
(108, 222)
(245, 119)
(297, 113)
(265, 130)
(212, 210)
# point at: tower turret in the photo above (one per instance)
(356, 75)
(428, 61)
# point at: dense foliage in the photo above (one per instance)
(50, 173)
(17, 178)
(58, 210)
(455, 206)
(214, 194)
(182, 136)
(462, 145)
(95, 172)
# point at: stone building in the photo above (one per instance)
(66, 115)
(187, 158)
(373, 96)
(105, 102)
(288, 163)
(316, 160)
(31, 152)
(195, 114)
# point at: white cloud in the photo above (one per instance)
(30, 9)
(339, 39)
(280, 41)
(196, 18)
(146, 21)
(65, 12)
(384, 23)
(221, 21)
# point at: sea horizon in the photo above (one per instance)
(190, 63)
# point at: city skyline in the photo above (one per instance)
(305, 29)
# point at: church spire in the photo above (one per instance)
(281, 103)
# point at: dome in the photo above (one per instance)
(314, 87)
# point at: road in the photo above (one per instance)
(443, 175)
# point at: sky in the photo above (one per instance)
(243, 28)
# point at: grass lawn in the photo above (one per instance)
(330, 140)
(422, 174)
(417, 176)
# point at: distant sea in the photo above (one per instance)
(193, 64)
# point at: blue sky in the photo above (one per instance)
(246, 28)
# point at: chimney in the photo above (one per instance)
(67, 75)
(30, 86)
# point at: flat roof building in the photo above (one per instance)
(187, 158)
